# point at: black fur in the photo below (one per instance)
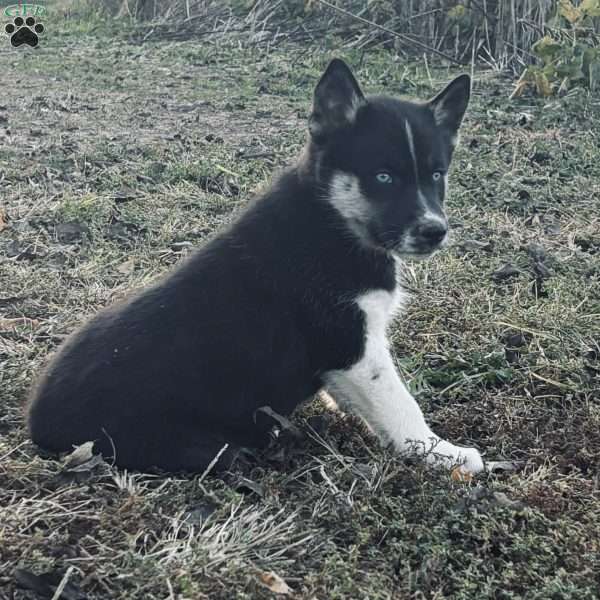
(255, 317)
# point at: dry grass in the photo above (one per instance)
(116, 158)
(499, 32)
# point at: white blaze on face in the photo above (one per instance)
(410, 243)
(411, 147)
(410, 138)
(428, 215)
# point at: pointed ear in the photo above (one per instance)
(336, 102)
(450, 104)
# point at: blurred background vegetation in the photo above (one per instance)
(550, 45)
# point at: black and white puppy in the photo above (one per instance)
(294, 297)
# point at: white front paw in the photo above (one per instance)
(470, 460)
(448, 455)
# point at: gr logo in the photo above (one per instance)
(24, 10)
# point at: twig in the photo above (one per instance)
(212, 463)
(4, 456)
(259, 154)
(401, 36)
(63, 583)
(557, 384)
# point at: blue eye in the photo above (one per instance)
(437, 175)
(384, 177)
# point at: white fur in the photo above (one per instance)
(411, 146)
(352, 110)
(440, 113)
(431, 216)
(434, 217)
(348, 200)
(441, 116)
(428, 214)
(373, 389)
(409, 243)
(333, 105)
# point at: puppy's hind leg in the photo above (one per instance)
(173, 448)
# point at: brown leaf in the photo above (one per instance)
(542, 85)
(3, 219)
(460, 475)
(568, 11)
(520, 87)
(275, 583)
(81, 465)
(590, 7)
(12, 324)
(80, 455)
(127, 267)
(82, 459)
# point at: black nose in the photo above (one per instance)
(433, 232)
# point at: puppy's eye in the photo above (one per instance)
(384, 177)
(437, 175)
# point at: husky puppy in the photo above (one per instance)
(294, 297)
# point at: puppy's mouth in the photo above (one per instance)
(413, 251)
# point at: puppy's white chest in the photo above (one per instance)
(379, 308)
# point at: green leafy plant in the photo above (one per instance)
(568, 54)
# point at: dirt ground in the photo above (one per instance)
(117, 158)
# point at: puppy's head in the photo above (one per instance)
(384, 162)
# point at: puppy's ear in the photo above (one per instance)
(336, 102)
(450, 104)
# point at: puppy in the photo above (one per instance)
(294, 297)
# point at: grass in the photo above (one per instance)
(116, 158)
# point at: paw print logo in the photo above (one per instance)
(24, 31)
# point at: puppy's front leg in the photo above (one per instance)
(373, 389)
